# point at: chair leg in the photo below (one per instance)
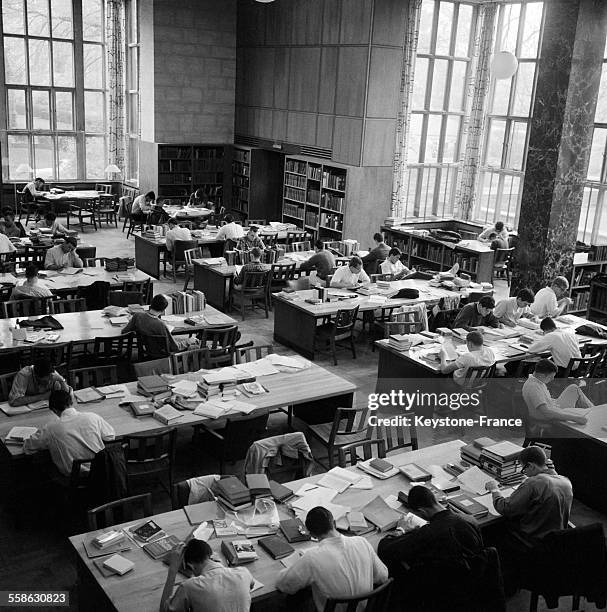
(187, 279)
(353, 347)
(333, 351)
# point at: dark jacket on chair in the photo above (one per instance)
(108, 479)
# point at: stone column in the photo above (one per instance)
(568, 77)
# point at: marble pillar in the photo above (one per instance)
(568, 77)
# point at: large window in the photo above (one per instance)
(53, 86)
(132, 87)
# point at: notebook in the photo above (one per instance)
(204, 511)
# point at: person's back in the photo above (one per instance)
(149, 324)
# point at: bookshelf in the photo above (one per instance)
(314, 197)
(184, 168)
(585, 267)
(256, 182)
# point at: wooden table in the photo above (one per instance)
(187, 212)
(295, 320)
(142, 587)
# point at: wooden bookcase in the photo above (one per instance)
(580, 283)
(184, 168)
(597, 299)
(256, 182)
(314, 197)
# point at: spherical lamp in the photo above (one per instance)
(504, 65)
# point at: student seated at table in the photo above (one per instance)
(72, 435)
(477, 355)
(142, 206)
(35, 382)
(497, 229)
(199, 199)
(212, 587)
(176, 232)
(250, 240)
(33, 190)
(6, 246)
(378, 253)
(496, 242)
(338, 567)
(562, 344)
(31, 287)
(50, 223)
(351, 275)
(509, 310)
(476, 314)
(63, 256)
(254, 265)
(8, 226)
(394, 266)
(544, 412)
(323, 261)
(552, 301)
(231, 230)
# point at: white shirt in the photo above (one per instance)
(178, 233)
(74, 435)
(230, 231)
(484, 235)
(387, 267)
(472, 359)
(28, 290)
(545, 303)
(140, 205)
(337, 567)
(31, 187)
(507, 311)
(6, 246)
(56, 257)
(344, 276)
(562, 344)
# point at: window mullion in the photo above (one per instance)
(79, 90)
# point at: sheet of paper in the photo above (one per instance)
(283, 360)
(291, 559)
(344, 474)
(261, 367)
(332, 481)
(364, 483)
(393, 502)
(203, 532)
(474, 480)
(314, 497)
(187, 388)
(305, 488)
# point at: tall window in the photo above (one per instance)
(52, 81)
(132, 87)
(509, 107)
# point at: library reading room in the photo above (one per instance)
(303, 305)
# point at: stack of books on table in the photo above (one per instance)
(401, 342)
(182, 302)
(238, 552)
(501, 461)
(259, 485)
(214, 383)
(152, 233)
(471, 453)
(383, 284)
(152, 385)
(232, 493)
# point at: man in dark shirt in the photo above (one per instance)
(254, 265)
(376, 254)
(322, 261)
(476, 314)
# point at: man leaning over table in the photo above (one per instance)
(31, 288)
(477, 314)
(552, 301)
(351, 275)
(63, 256)
(509, 310)
(34, 383)
(323, 261)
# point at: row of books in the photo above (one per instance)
(311, 218)
(335, 222)
(292, 165)
(294, 180)
(240, 168)
(314, 172)
(240, 181)
(292, 193)
(174, 178)
(241, 155)
(182, 302)
(333, 202)
(580, 300)
(292, 210)
(334, 181)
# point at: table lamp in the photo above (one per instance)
(111, 170)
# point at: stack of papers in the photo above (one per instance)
(288, 364)
(339, 479)
(185, 388)
(474, 480)
(17, 435)
(261, 367)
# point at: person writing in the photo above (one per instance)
(231, 230)
(33, 190)
(509, 310)
(498, 229)
(477, 355)
(176, 232)
(477, 314)
(34, 383)
(251, 240)
(50, 223)
(562, 344)
(142, 206)
(199, 199)
(63, 256)
(351, 275)
(394, 266)
(323, 261)
(552, 301)
(31, 287)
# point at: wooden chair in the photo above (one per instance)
(31, 255)
(8, 262)
(378, 328)
(153, 346)
(86, 252)
(295, 236)
(125, 204)
(150, 455)
(120, 511)
(268, 238)
(337, 328)
(366, 449)
(84, 212)
(252, 353)
(97, 376)
(220, 342)
(31, 208)
(144, 287)
(124, 298)
(401, 322)
(135, 224)
(190, 361)
(178, 255)
(281, 275)
(23, 308)
(254, 289)
(105, 210)
(583, 367)
(155, 366)
(6, 384)
(397, 437)
(189, 256)
(114, 349)
(501, 263)
(377, 600)
(476, 381)
(61, 306)
(298, 247)
(349, 426)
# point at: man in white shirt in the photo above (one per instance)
(33, 190)
(31, 288)
(34, 383)
(63, 256)
(509, 310)
(50, 223)
(6, 246)
(394, 266)
(338, 567)
(72, 435)
(562, 344)
(142, 206)
(231, 230)
(351, 275)
(176, 232)
(552, 301)
(477, 355)
(498, 229)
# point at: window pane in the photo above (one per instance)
(13, 16)
(66, 153)
(464, 24)
(15, 68)
(531, 29)
(93, 66)
(445, 25)
(597, 152)
(61, 12)
(132, 68)
(92, 21)
(415, 136)
(44, 157)
(39, 62)
(419, 84)
(16, 109)
(501, 96)
(495, 143)
(19, 157)
(600, 115)
(507, 40)
(451, 136)
(37, 18)
(524, 87)
(458, 86)
(133, 159)
(63, 64)
(93, 111)
(64, 110)
(517, 145)
(439, 79)
(425, 26)
(95, 156)
(133, 114)
(132, 19)
(433, 138)
(41, 116)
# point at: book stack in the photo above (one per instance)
(238, 552)
(183, 302)
(152, 385)
(107, 539)
(501, 461)
(152, 233)
(354, 523)
(383, 284)
(400, 342)
(258, 485)
(232, 493)
(214, 383)
(471, 453)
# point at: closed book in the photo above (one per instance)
(167, 414)
(203, 512)
(146, 531)
(294, 530)
(235, 507)
(118, 565)
(381, 465)
(88, 395)
(468, 505)
(258, 485)
(238, 552)
(142, 409)
(356, 520)
(503, 451)
(380, 514)
(103, 540)
(232, 489)
(161, 547)
(279, 492)
(93, 551)
(484, 442)
(415, 473)
(276, 547)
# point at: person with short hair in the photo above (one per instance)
(323, 261)
(477, 355)
(35, 382)
(31, 287)
(33, 190)
(254, 265)
(199, 199)
(176, 232)
(338, 567)
(477, 314)
(211, 587)
(495, 242)
(378, 253)
(562, 344)
(552, 301)
(499, 229)
(50, 223)
(351, 275)
(73, 435)
(63, 255)
(509, 310)
(142, 206)
(394, 266)
(251, 240)
(542, 410)
(231, 230)
(6, 246)
(8, 226)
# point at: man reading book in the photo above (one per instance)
(211, 587)
(35, 382)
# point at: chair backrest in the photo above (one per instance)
(73, 305)
(239, 434)
(351, 453)
(153, 346)
(252, 353)
(221, 344)
(115, 347)
(6, 383)
(125, 203)
(295, 236)
(283, 272)
(190, 254)
(380, 277)
(120, 511)
(97, 376)
(22, 308)
(149, 448)
(190, 361)
(298, 247)
(180, 247)
(155, 366)
(144, 287)
(257, 222)
(87, 252)
(404, 321)
(475, 376)
(398, 437)
(256, 279)
(124, 298)
(347, 422)
(344, 320)
(376, 600)
(96, 295)
(583, 367)
(269, 238)
(503, 256)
